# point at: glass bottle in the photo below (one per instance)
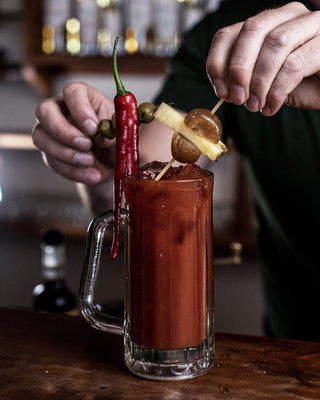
(110, 25)
(55, 15)
(137, 20)
(165, 26)
(191, 13)
(53, 294)
(86, 12)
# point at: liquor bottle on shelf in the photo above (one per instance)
(137, 22)
(110, 25)
(191, 12)
(165, 26)
(55, 15)
(86, 12)
(52, 294)
(211, 5)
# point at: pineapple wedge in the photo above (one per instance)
(174, 120)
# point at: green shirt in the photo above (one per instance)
(281, 157)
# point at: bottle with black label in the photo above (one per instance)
(53, 294)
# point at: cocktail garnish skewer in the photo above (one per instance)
(216, 107)
(164, 170)
(167, 166)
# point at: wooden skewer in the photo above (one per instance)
(165, 169)
(215, 108)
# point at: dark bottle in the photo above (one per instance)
(53, 294)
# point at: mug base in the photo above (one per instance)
(169, 365)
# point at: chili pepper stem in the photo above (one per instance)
(121, 91)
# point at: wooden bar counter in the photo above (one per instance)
(46, 356)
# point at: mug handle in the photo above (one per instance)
(91, 311)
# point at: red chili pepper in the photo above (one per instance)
(126, 144)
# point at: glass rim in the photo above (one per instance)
(199, 178)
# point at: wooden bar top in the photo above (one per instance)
(48, 356)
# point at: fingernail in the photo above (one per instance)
(220, 88)
(237, 94)
(93, 176)
(90, 126)
(267, 111)
(82, 143)
(83, 159)
(253, 103)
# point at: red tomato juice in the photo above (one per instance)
(170, 271)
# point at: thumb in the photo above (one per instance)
(86, 106)
(306, 95)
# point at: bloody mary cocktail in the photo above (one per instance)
(169, 266)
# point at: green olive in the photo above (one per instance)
(184, 151)
(105, 129)
(146, 112)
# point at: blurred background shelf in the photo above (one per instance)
(34, 198)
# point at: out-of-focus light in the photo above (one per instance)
(1, 196)
(104, 37)
(73, 36)
(48, 39)
(103, 3)
(73, 25)
(74, 46)
(131, 43)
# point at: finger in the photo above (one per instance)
(248, 45)
(102, 142)
(68, 155)
(302, 63)
(87, 106)
(88, 176)
(218, 58)
(53, 121)
(279, 54)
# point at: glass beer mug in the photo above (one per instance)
(168, 315)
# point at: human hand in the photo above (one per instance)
(66, 130)
(269, 60)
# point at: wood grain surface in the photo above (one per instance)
(47, 356)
